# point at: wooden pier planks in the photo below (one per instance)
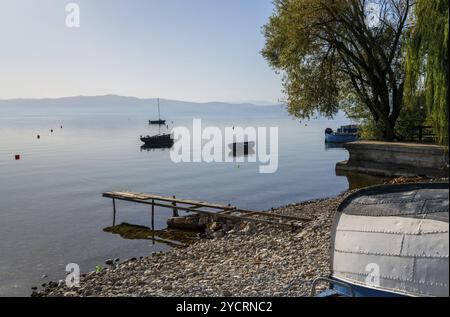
(141, 196)
(220, 211)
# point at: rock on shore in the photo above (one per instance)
(246, 260)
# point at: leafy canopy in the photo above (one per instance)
(332, 58)
(427, 63)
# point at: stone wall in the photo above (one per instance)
(395, 159)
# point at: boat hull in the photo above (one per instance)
(393, 239)
(160, 122)
(336, 138)
(153, 146)
(158, 141)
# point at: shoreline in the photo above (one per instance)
(246, 259)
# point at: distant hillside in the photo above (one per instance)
(112, 104)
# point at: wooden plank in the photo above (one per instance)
(269, 214)
(214, 214)
(226, 212)
(140, 196)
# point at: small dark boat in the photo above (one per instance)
(159, 121)
(242, 148)
(344, 134)
(158, 141)
(241, 145)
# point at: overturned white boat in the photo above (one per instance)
(391, 240)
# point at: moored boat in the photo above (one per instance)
(159, 121)
(160, 140)
(243, 145)
(242, 148)
(344, 134)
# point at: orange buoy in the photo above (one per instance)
(17, 157)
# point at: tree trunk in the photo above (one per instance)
(387, 119)
(389, 131)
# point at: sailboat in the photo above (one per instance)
(158, 141)
(159, 121)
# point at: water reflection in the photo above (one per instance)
(170, 237)
(241, 152)
(154, 147)
(360, 180)
(334, 146)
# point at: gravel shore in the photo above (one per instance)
(249, 260)
(240, 260)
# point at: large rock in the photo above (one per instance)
(185, 223)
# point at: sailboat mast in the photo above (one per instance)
(159, 112)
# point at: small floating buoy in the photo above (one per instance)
(61, 127)
(17, 157)
(38, 136)
(51, 130)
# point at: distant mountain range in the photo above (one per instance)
(113, 104)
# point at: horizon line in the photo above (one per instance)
(258, 103)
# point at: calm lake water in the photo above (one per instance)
(51, 208)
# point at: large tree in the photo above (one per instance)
(427, 62)
(336, 54)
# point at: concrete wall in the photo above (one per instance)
(395, 159)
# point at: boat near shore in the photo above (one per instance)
(390, 240)
(345, 134)
(157, 141)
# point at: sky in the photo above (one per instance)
(193, 50)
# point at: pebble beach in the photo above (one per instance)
(245, 260)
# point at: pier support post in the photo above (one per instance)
(153, 215)
(175, 210)
(114, 212)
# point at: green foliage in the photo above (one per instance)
(330, 59)
(406, 129)
(427, 63)
(409, 120)
(370, 130)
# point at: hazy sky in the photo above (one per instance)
(196, 50)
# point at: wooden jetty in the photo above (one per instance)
(217, 211)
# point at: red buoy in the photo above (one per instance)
(17, 157)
